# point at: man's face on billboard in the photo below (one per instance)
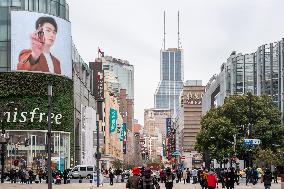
(49, 34)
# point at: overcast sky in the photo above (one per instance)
(210, 31)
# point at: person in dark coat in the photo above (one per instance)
(169, 182)
(111, 176)
(267, 179)
(230, 179)
(65, 176)
(133, 181)
(275, 175)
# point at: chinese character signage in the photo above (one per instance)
(112, 120)
(169, 126)
(100, 86)
(122, 133)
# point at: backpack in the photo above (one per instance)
(147, 183)
(169, 178)
(133, 182)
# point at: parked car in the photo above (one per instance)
(82, 171)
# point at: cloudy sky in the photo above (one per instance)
(210, 31)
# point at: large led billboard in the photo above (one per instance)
(40, 43)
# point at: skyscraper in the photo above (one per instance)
(171, 79)
(171, 75)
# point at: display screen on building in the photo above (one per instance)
(40, 43)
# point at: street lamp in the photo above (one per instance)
(49, 138)
(3, 141)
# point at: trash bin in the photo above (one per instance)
(80, 180)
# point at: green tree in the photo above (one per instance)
(117, 164)
(221, 123)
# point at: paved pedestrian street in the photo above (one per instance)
(120, 186)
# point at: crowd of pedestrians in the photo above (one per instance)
(207, 179)
(30, 176)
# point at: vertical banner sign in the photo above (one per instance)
(124, 142)
(169, 137)
(112, 120)
(100, 86)
(122, 133)
(168, 126)
(118, 130)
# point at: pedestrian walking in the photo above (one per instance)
(65, 176)
(212, 181)
(230, 179)
(188, 175)
(267, 179)
(184, 176)
(203, 179)
(162, 175)
(111, 176)
(147, 181)
(133, 181)
(169, 183)
(275, 175)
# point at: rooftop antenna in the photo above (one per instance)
(178, 33)
(164, 30)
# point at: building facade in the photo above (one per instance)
(73, 136)
(189, 115)
(171, 79)
(155, 131)
(259, 73)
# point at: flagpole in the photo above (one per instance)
(98, 52)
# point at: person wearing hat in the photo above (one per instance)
(133, 181)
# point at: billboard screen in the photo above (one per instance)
(40, 43)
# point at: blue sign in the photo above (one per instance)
(252, 141)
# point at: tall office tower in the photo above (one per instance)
(171, 80)
(171, 77)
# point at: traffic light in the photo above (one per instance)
(27, 142)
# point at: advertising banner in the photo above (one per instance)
(122, 133)
(112, 120)
(40, 43)
(168, 126)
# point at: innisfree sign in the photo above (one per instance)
(33, 116)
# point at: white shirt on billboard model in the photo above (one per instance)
(49, 62)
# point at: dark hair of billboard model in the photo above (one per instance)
(45, 19)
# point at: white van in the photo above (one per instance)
(82, 171)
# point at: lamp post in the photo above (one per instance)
(49, 138)
(250, 129)
(3, 141)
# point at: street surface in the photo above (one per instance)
(121, 186)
